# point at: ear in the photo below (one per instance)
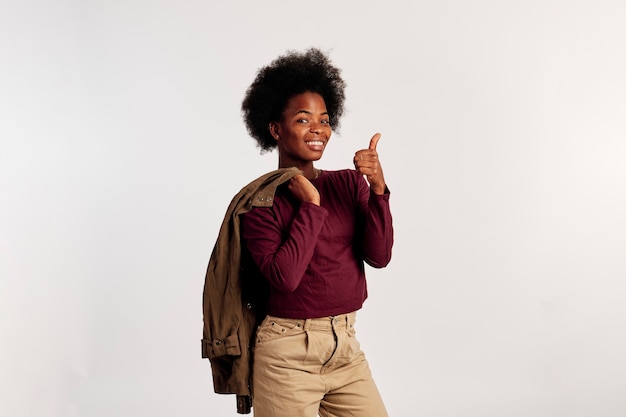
(273, 127)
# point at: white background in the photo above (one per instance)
(504, 145)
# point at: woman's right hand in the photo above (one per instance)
(304, 190)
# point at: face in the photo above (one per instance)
(303, 131)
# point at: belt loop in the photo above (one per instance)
(307, 324)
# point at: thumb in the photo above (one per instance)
(374, 141)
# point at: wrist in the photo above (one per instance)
(315, 201)
(379, 188)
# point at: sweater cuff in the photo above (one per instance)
(384, 196)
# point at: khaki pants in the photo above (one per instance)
(305, 367)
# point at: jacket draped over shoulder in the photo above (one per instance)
(231, 304)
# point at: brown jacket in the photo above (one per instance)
(232, 301)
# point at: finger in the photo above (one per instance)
(374, 141)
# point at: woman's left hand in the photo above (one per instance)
(366, 162)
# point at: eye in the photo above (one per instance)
(326, 122)
(303, 120)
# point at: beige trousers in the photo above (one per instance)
(305, 367)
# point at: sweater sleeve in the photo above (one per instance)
(377, 226)
(282, 259)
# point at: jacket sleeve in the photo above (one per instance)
(220, 330)
(226, 330)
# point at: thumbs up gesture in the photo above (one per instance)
(366, 162)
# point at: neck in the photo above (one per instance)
(310, 172)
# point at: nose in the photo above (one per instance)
(316, 128)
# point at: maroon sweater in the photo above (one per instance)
(313, 255)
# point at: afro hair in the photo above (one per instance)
(289, 75)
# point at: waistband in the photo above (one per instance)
(341, 321)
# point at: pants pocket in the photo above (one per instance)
(274, 328)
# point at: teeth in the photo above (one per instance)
(315, 142)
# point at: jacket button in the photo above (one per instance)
(248, 306)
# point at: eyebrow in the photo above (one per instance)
(310, 113)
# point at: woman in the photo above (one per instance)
(311, 245)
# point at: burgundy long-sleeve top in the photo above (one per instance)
(313, 255)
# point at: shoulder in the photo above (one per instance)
(340, 185)
(345, 175)
(343, 178)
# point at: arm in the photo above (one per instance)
(377, 226)
(283, 256)
(374, 206)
